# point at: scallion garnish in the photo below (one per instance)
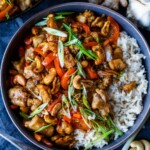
(71, 42)
(84, 117)
(43, 128)
(119, 132)
(23, 115)
(71, 91)
(59, 17)
(65, 106)
(90, 112)
(38, 110)
(80, 70)
(55, 32)
(79, 45)
(42, 23)
(84, 98)
(79, 55)
(99, 138)
(61, 53)
(65, 13)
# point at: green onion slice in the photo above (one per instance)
(99, 138)
(118, 131)
(43, 128)
(80, 70)
(59, 17)
(61, 53)
(42, 23)
(65, 13)
(55, 32)
(66, 106)
(23, 115)
(71, 42)
(38, 110)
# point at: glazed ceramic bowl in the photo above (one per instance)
(77, 7)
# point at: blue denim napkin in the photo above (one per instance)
(7, 30)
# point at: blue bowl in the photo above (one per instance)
(126, 25)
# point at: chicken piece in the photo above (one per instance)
(95, 36)
(105, 28)
(56, 85)
(49, 119)
(29, 73)
(107, 81)
(51, 23)
(24, 4)
(114, 4)
(117, 64)
(19, 65)
(51, 38)
(45, 93)
(129, 87)
(87, 16)
(18, 96)
(118, 54)
(18, 92)
(24, 109)
(100, 102)
(69, 60)
(100, 53)
(37, 40)
(34, 103)
(48, 46)
(97, 102)
(73, 49)
(63, 141)
(30, 84)
(29, 54)
(36, 122)
(98, 22)
(64, 128)
(35, 30)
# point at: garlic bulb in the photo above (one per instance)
(140, 10)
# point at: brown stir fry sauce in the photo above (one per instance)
(66, 66)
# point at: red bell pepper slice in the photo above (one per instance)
(115, 31)
(59, 70)
(66, 77)
(83, 25)
(90, 44)
(91, 72)
(48, 59)
(50, 107)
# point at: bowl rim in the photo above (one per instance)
(39, 145)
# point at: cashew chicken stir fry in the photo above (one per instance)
(61, 79)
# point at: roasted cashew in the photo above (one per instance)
(55, 109)
(20, 79)
(49, 119)
(146, 144)
(39, 67)
(105, 28)
(77, 82)
(50, 77)
(137, 145)
(44, 92)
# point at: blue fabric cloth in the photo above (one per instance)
(7, 30)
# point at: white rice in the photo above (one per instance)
(126, 107)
